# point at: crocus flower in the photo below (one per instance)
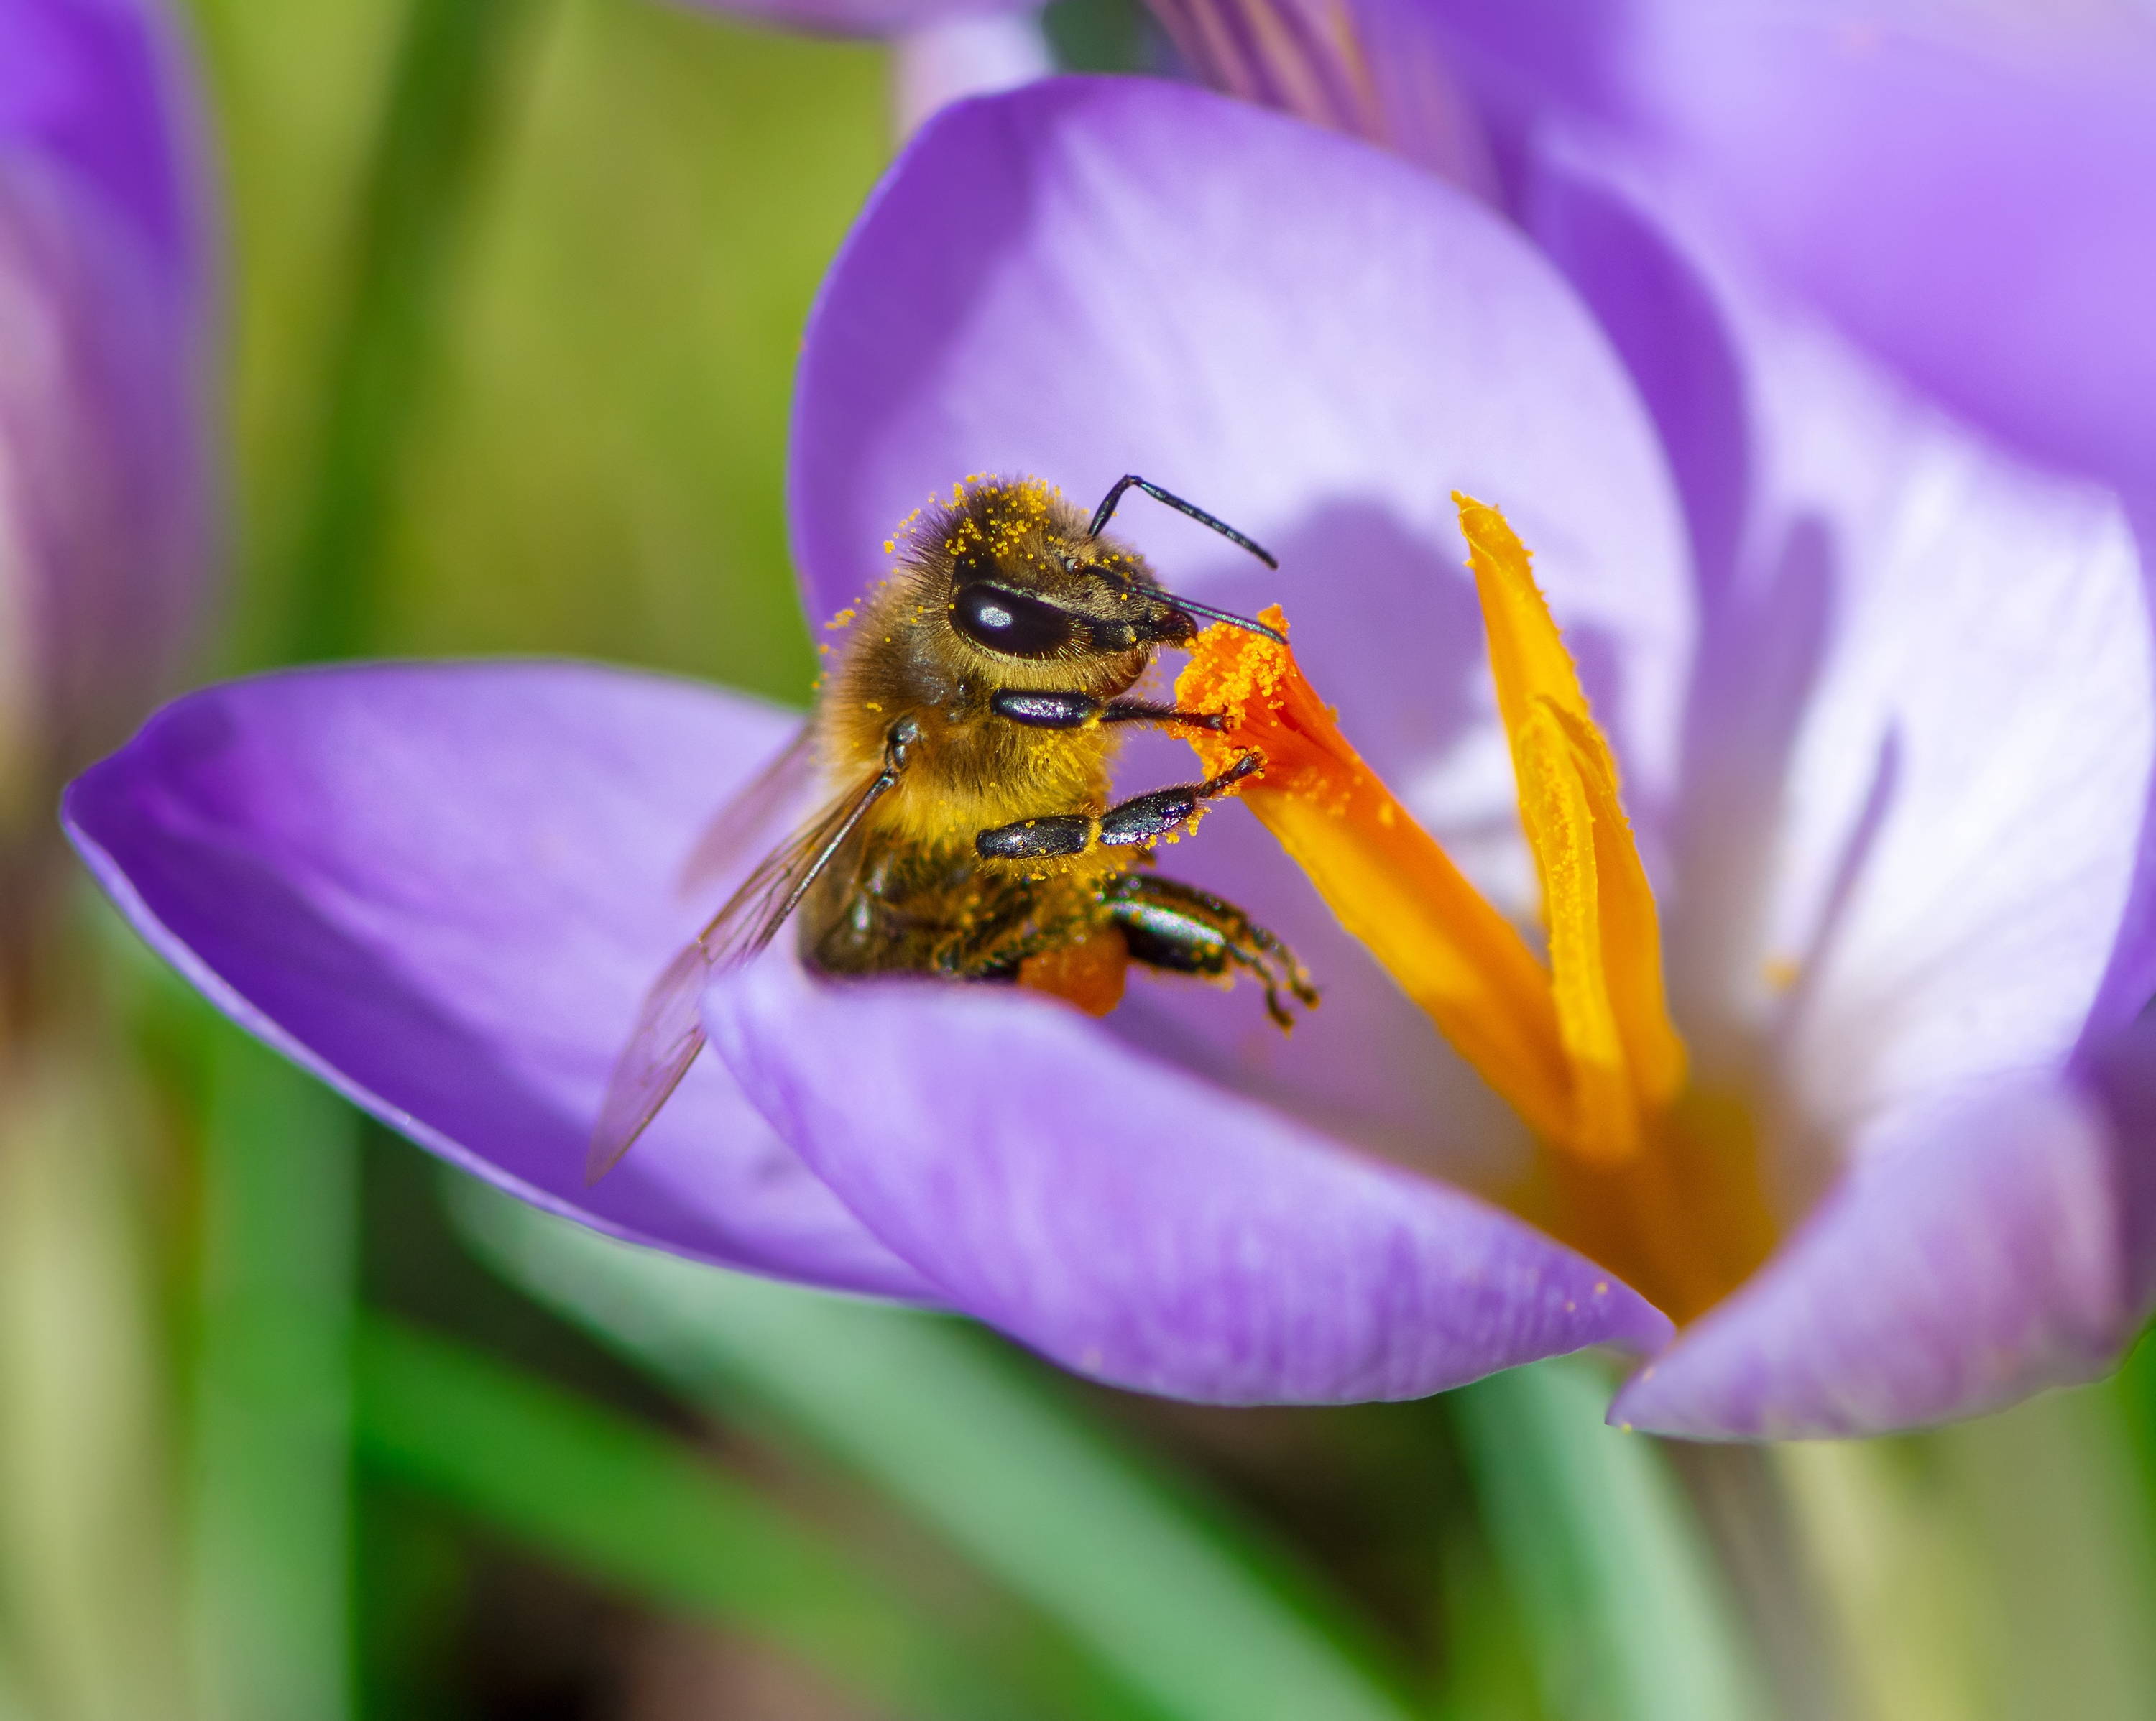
(1884, 751)
(101, 481)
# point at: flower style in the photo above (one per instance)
(1882, 703)
(102, 494)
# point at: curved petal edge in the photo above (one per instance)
(1136, 1224)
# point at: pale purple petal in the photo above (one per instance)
(1970, 193)
(1974, 1254)
(1138, 1225)
(1319, 343)
(1295, 329)
(1919, 755)
(1974, 201)
(1663, 313)
(859, 18)
(1965, 798)
(1923, 722)
(444, 889)
(972, 54)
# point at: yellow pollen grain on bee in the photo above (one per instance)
(845, 618)
(890, 546)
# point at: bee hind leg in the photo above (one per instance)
(1182, 929)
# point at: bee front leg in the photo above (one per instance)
(1170, 925)
(1050, 709)
(1141, 819)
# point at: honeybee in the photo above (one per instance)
(969, 726)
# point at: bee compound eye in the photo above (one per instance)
(1010, 623)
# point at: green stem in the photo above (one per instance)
(272, 1487)
(1626, 1613)
(1747, 1513)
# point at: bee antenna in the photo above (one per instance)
(1131, 480)
(1234, 621)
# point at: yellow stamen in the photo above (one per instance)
(1581, 1047)
(1604, 942)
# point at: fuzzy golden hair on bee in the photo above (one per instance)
(965, 732)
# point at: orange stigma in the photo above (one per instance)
(1635, 1170)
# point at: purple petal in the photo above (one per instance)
(1661, 311)
(1918, 757)
(1924, 719)
(99, 87)
(860, 18)
(1318, 342)
(1969, 192)
(1974, 1255)
(103, 526)
(1977, 208)
(1295, 331)
(1136, 1224)
(443, 889)
(103, 505)
(1963, 810)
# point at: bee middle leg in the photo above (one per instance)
(1141, 819)
(1174, 926)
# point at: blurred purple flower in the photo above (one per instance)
(103, 511)
(1888, 739)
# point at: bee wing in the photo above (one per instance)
(746, 819)
(669, 1034)
(670, 1029)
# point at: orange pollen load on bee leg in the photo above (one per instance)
(1088, 972)
(1581, 1046)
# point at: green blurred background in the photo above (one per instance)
(293, 1426)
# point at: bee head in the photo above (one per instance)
(1069, 609)
(1031, 580)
